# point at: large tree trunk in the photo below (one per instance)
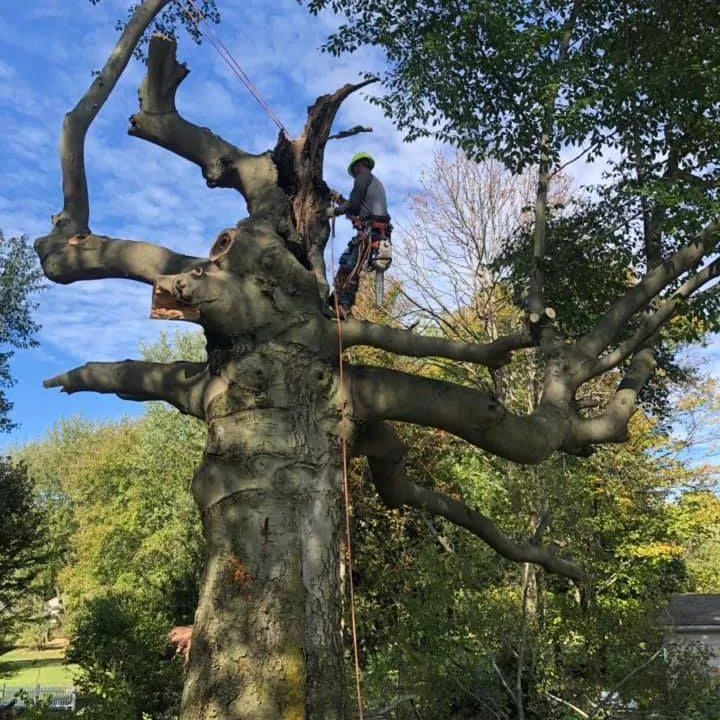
(266, 641)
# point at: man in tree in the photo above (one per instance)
(367, 208)
(280, 405)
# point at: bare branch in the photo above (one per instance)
(386, 456)
(476, 416)
(652, 322)
(404, 342)
(301, 163)
(610, 694)
(349, 133)
(182, 384)
(383, 712)
(222, 164)
(637, 297)
(75, 216)
(91, 257)
(567, 704)
(611, 426)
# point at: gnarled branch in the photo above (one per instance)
(405, 342)
(222, 164)
(182, 384)
(91, 257)
(385, 452)
(476, 416)
(75, 216)
(611, 425)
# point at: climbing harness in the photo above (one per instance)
(374, 253)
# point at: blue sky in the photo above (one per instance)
(142, 192)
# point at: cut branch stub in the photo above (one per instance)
(165, 306)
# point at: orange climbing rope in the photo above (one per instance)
(346, 491)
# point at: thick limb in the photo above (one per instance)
(75, 215)
(652, 322)
(222, 164)
(611, 426)
(379, 394)
(182, 384)
(637, 297)
(385, 452)
(404, 342)
(91, 257)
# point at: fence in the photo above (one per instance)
(59, 698)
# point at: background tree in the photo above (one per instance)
(19, 279)
(278, 404)
(126, 547)
(22, 543)
(447, 631)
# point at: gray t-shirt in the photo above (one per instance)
(367, 198)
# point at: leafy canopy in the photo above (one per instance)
(19, 279)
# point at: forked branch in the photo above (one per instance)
(651, 323)
(612, 425)
(182, 384)
(386, 456)
(654, 282)
(75, 216)
(221, 162)
(405, 342)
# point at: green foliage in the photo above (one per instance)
(482, 74)
(586, 268)
(633, 84)
(19, 279)
(186, 14)
(21, 540)
(446, 621)
(126, 545)
(120, 642)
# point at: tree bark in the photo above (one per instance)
(266, 640)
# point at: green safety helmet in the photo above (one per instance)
(361, 156)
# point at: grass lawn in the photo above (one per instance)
(27, 668)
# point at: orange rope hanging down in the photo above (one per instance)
(346, 492)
